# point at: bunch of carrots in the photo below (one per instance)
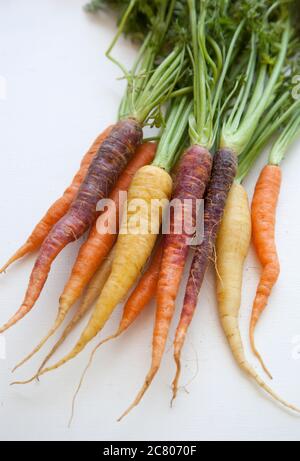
(215, 77)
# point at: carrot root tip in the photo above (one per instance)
(146, 385)
(28, 381)
(177, 376)
(257, 354)
(262, 363)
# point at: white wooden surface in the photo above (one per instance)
(60, 92)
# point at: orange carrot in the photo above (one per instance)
(60, 207)
(263, 221)
(94, 251)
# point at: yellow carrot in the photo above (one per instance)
(232, 248)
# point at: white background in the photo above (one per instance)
(61, 92)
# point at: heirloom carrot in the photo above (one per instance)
(231, 250)
(264, 206)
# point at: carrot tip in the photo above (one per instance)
(142, 392)
(51, 332)
(15, 368)
(18, 383)
(263, 364)
(126, 413)
(177, 376)
(7, 265)
(258, 355)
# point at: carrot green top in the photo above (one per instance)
(149, 86)
(270, 31)
(286, 138)
(282, 114)
(174, 134)
(288, 122)
(137, 23)
(211, 54)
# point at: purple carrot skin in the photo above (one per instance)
(191, 181)
(223, 174)
(112, 158)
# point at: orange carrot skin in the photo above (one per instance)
(98, 245)
(59, 208)
(110, 161)
(144, 292)
(191, 181)
(264, 208)
(223, 174)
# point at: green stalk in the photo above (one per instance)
(267, 130)
(225, 68)
(209, 73)
(287, 137)
(237, 132)
(198, 122)
(159, 87)
(121, 27)
(174, 133)
(143, 73)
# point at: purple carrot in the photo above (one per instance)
(223, 174)
(110, 161)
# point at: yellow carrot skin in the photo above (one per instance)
(131, 253)
(232, 248)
